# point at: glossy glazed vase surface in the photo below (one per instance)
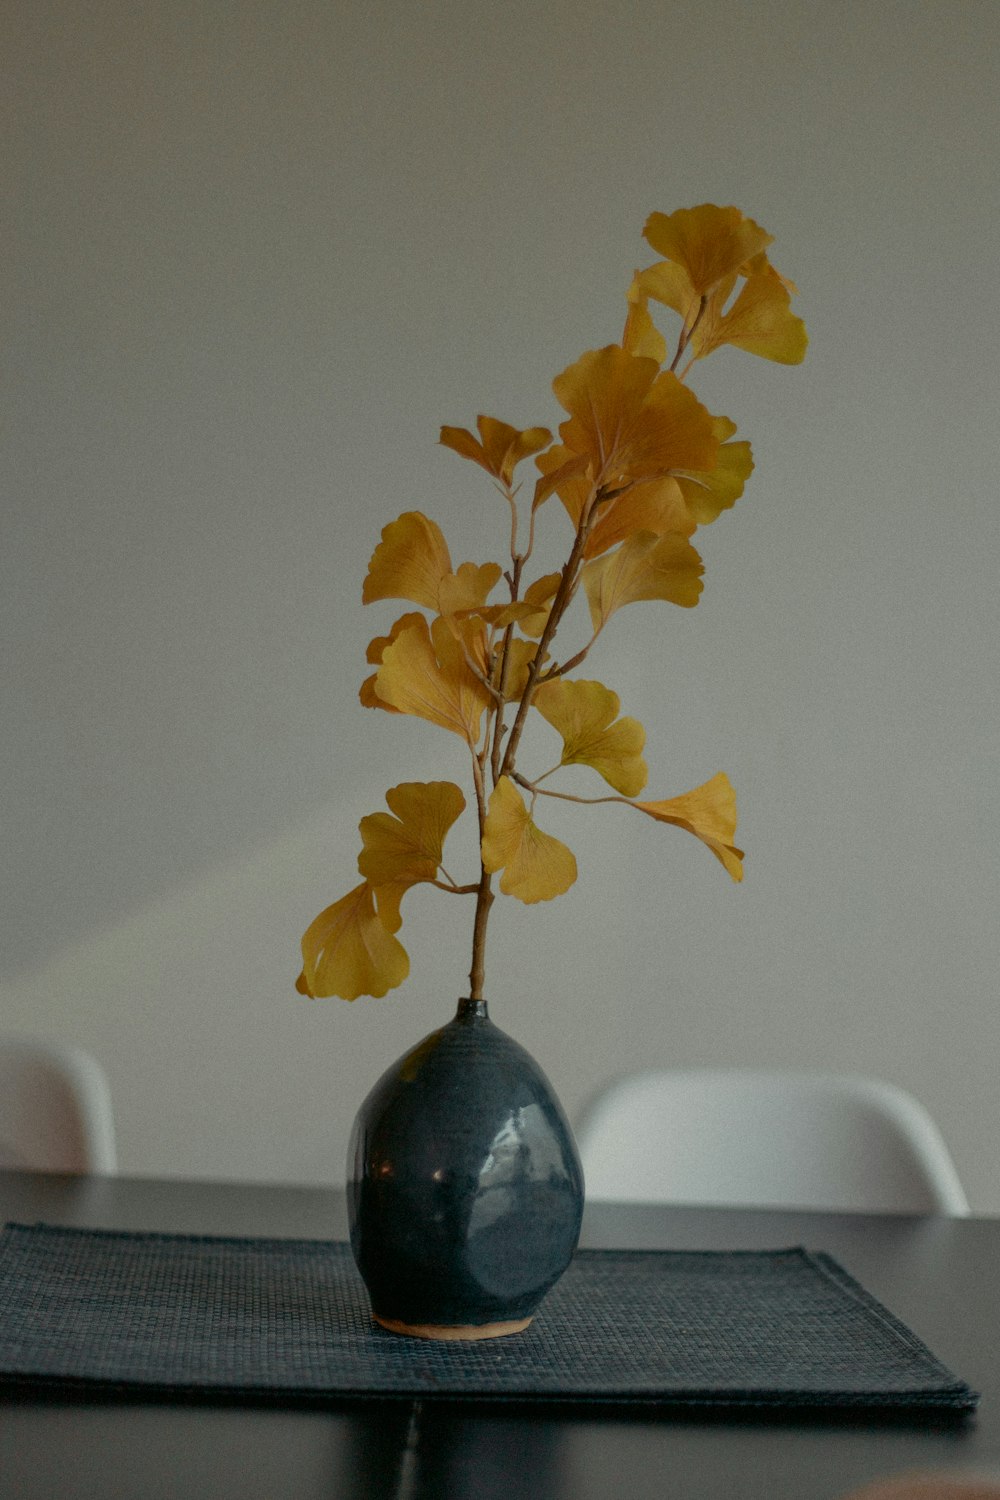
(464, 1190)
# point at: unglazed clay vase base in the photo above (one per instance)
(457, 1333)
(464, 1190)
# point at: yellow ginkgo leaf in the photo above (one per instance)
(424, 672)
(760, 321)
(536, 866)
(370, 699)
(673, 431)
(375, 649)
(499, 447)
(641, 335)
(409, 562)
(539, 596)
(530, 617)
(708, 242)
(348, 951)
(657, 506)
(603, 393)
(707, 495)
(405, 846)
(468, 587)
(644, 567)
(709, 812)
(375, 652)
(388, 900)
(498, 615)
(463, 638)
(631, 420)
(559, 467)
(521, 654)
(760, 263)
(667, 283)
(569, 476)
(586, 715)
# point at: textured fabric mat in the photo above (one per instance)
(290, 1319)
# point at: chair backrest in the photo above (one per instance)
(804, 1140)
(55, 1109)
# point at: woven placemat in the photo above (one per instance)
(289, 1319)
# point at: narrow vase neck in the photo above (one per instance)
(467, 1008)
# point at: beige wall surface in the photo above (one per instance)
(255, 255)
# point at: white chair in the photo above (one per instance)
(55, 1109)
(803, 1140)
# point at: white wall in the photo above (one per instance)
(260, 252)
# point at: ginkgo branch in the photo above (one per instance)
(499, 727)
(567, 584)
(629, 425)
(484, 893)
(560, 670)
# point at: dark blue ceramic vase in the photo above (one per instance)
(464, 1187)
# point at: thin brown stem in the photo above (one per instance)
(568, 581)
(499, 727)
(567, 585)
(531, 536)
(567, 666)
(687, 334)
(484, 893)
(508, 495)
(544, 791)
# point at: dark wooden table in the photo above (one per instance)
(941, 1276)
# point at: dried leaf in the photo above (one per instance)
(760, 321)
(409, 562)
(521, 656)
(375, 652)
(641, 335)
(468, 587)
(644, 567)
(586, 715)
(657, 506)
(536, 866)
(670, 284)
(539, 595)
(528, 614)
(631, 420)
(569, 475)
(709, 812)
(405, 845)
(348, 951)
(706, 495)
(603, 392)
(708, 242)
(558, 471)
(424, 672)
(463, 638)
(499, 447)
